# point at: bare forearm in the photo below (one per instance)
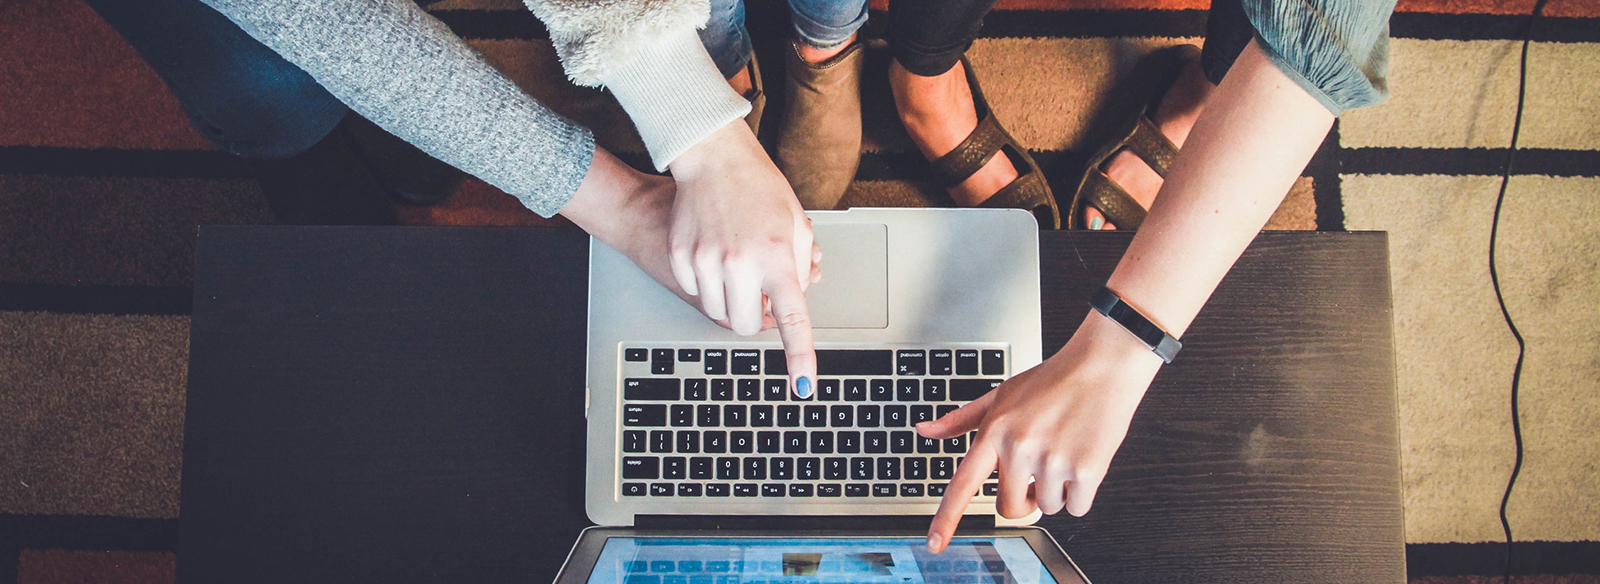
(1245, 152)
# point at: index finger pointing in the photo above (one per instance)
(793, 320)
(963, 487)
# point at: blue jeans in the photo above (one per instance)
(238, 93)
(823, 24)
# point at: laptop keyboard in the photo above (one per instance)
(723, 422)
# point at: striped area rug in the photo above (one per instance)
(102, 183)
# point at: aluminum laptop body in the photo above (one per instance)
(907, 281)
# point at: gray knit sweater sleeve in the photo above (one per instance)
(405, 71)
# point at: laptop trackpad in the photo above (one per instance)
(854, 291)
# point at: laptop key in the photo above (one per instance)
(991, 489)
(908, 390)
(888, 469)
(927, 445)
(717, 490)
(868, 416)
(722, 390)
(775, 390)
(855, 490)
(636, 354)
(842, 416)
(688, 490)
(727, 468)
(828, 390)
(700, 468)
(800, 490)
(761, 416)
(661, 361)
(834, 468)
(849, 442)
(633, 489)
(661, 441)
(994, 362)
(883, 490)
(695, 389)
(745, 362)
(822, 442)
(649, 389)
(882, 390)
(674, 467)
(860, 469)
(744, 490)
(771, 490)
(749, 389)
(916, 468)
(939, 362)
(769, 442)
(911, 362)
(936, 489)
(733, 416)
(716, 361)
(794, 442)
(788, 416)
(644, 415)
(894, 416)
(742, 442)
(920, 414)
(714, 442)
(971, 389)
(781, 469)
(942, 468)
(855, 390)
(682, 415)
(755, 469)
(906, 490)
(835, 362)
(775, 362)
(875, 442)
(933, 390)
(709, 416)
(688, 441)
(815, 416)
(829, 490)
(661, 489)
(967, 362)
(633, 440)
(902, 442)
(955, 445)
(808, 468)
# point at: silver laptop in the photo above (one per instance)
(919, 311)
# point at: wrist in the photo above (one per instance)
(1109, 343)
(713, 150)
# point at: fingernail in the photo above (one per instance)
(1096, 223)
(802, 388)
(933, 542)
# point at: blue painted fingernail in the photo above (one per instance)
(802, 387)
(1096, 223)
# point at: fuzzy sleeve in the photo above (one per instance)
(647, 54)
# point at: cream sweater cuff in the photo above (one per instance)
(674, 94)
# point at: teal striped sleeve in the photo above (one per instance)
(1337, 50)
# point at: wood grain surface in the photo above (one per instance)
(406, 405)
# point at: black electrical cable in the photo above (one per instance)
(1494, 276)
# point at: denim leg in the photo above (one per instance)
(1228, 31)
(237, 92)
(726, 38)
(825, 24)
(928, 37)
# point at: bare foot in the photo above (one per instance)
(938, 114)
(1174, 116)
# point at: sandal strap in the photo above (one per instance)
(1028, 191)
(1116, 204)
(973, 152)
(1148, 143)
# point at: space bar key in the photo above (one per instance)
(855, 362)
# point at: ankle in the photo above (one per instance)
(1181, 106)
(816, 56)
(741, 82)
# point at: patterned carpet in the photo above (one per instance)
(102, 183)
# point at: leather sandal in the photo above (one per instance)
(1137, 134)
(1028, 191)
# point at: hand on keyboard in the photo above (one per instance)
(742, 245)
(1058, 425)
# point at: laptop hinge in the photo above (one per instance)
(803, 522)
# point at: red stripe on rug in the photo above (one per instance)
(75, 567)
(70, 81)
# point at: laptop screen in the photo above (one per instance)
(996, 560)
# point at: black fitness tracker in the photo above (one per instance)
(1108, 303)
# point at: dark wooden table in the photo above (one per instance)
(406, 405)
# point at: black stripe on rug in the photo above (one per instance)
(521, 24)
(1470, 161)
(51, 161)
(1324, 169)
(1489, 559)
(146, 300)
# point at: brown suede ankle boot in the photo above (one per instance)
(819, 135)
